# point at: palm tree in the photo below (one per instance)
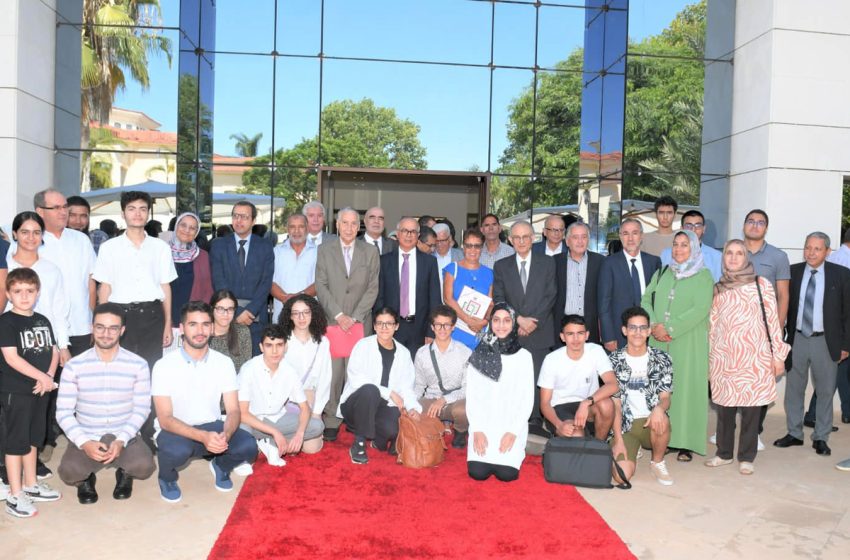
(96, 170)
(247, 146)
(169, 167)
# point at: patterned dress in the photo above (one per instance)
(740, 368)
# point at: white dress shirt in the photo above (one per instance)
(73, 253)
(293, 272)
(817, 306)
(377, 241)
(247, 240)
(411, 276)
(312, 364)
(267, 392)
(134, 274)
(527, 260)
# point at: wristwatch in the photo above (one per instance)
(592, 402)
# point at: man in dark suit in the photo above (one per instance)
(374, 234)
(819, 333)
(409, 268)
(244, 264)
(623, 277)
(527, 283)
(553, 237)
(577, 277)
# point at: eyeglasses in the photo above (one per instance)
(429, 245)
(300, 314)
(521, 238)
(441, 326)
(100, 329)
(224, 310)
(473, 246)
(446, 240)
(242, 217)
(554, 230)
(692, 227)
(408, 231)
(637, 328)
(757, 223)
(57, 207)
(384, 324)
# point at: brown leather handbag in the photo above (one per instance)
(420, 443)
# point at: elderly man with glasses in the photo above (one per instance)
(553, 237)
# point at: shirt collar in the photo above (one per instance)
(189, 360)
(527, 258)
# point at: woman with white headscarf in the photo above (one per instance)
(194, 279)
(678, 300)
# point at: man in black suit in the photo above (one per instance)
(527, 284)
(408, 268)
(576, 277)
(553, 237)
(623, 277)
(374, 234)
(819, 334)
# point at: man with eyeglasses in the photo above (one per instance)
(408, 282)
(645, 380)
(294, 264)
(374, 234)
(526, 282)
(553, 237)
(440, 383)
(694, 221)
(427, 240)
(244, 264)
(494, 249)
(104, 397)
(656, 241)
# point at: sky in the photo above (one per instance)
(450, 104)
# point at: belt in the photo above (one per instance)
(814, 334)
(408, 319)
(132, 306)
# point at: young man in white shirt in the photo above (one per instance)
(187, 386)
(570, 395)
(645, 378)
(266, 384)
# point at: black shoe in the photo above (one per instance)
(845, 419)
(787, 441)
(123, 485)
(379, 447)
(86, 492)
(459, 439)
(357, 452)
(330, 434)
(392, 450)
(41, 471)
(809, 423)
(821, 448)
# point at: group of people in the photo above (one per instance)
(149, 351)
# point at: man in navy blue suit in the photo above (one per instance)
(406, 267)
(553, 237)
(623, 277)
(244, 264)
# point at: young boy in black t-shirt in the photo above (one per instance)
(29, 361)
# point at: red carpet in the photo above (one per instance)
(323, 506)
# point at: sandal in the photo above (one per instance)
(684, 457)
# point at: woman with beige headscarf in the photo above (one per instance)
(746, 354)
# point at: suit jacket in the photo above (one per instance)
(539, 248)
(615, 292)
(537, 299)
(836, 306)
(339, 292)
(591, 315)
(427, 288)
(254, 283)
(387, 244)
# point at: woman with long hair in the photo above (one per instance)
(228, 337)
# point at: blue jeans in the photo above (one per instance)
(842, 385)
(175, 451)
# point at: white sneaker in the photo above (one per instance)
(244, 469)
(271, 452)
(760, 446)
(41, 492)
(660, 472)
(20, 505)
(713, 439)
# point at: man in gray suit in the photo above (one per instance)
(315, 212)
(374, 234)
(346, 286)
(527, 283)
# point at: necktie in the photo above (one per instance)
(375, 241)
(347, 253)
(809, 305)
(523, 275)
(240, 254)
(314, 238)
(635, 284)
(404, 307)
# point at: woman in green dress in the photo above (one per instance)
(678, 299)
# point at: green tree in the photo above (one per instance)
(246, 146)
(354, 134)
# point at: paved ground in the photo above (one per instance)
(796, 505)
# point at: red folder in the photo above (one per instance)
(342, 342)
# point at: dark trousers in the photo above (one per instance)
(136, 460)
(144, 325)
(175, 451)
(537, 356)
(747, 439)
(367, 413)
(482, 471)
(842, 384)
(411, 336)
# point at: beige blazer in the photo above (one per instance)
(352, 294)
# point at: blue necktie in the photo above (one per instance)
(635, 284)
(809, 306)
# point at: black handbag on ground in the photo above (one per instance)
(584, 461)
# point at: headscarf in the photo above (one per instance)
(733, 279)
(694, 263)
(184, 252)
(487, 356)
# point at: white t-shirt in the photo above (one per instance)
(195, 388)
(134, 274)
(634, 391)
(573, 380)
(267, 394)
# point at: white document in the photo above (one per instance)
(473, 303)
